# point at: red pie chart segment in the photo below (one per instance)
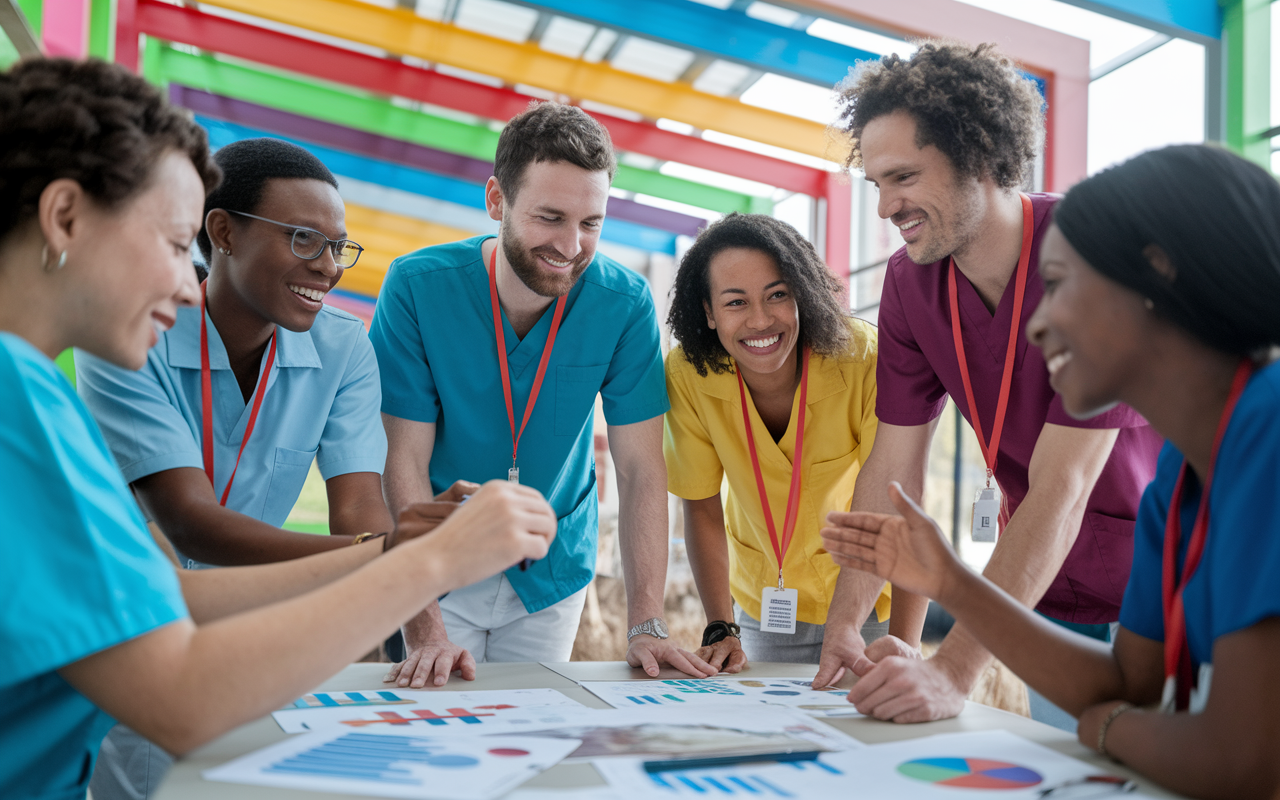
(970, 773)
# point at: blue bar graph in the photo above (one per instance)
(738, 782)
(334, 699)
(368, 757)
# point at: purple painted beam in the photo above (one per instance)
(397, 151)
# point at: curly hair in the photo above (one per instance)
(971, 103)
(89, 121)
(551, 132)
(824, 322)
(246, 166)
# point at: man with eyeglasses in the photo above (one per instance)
(217, 432)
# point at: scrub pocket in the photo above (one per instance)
(576, 390)
(288, 473)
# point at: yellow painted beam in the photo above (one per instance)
(403, 32)
(385, 237)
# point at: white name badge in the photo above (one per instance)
(513, 475)
(778, 610)
(986, 515)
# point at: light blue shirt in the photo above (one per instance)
(79, 574)
(322, 404)
(433, 332)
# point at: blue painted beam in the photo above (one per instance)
(1198, 20)
(729, 35)
(425, 183)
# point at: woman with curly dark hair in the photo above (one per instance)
(771, 371)
(102, 186)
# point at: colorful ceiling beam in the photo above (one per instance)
(1194, 19)
(401, 31)
(471, 170)
(1061, 59)
(421, 182)
(725, 34)
(381, 117)
(391, 77)
(386, 237)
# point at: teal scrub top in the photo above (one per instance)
(80, 573)
(433, 333)
(322, 404)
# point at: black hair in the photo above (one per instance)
(824, 321)
(551, 132)
(89, 121)
(1213, 214)
(971, 103)
(247, 165)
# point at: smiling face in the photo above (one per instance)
(752, 310)
(551, 228)
(1090, 329)
(133, 265)
(269, 279)
(937, 210)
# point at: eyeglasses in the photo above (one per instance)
(309, 244)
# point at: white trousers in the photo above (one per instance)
(489, 620)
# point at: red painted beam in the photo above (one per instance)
(385, 76)
(839, 222)
(127, 34)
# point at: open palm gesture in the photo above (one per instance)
(908, 550)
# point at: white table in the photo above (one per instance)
(185, 783)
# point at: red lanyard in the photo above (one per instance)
(502, 355)
(793, 497)
(1177, 654)
(991, 451)
(206, 398)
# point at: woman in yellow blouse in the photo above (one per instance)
(761, 327)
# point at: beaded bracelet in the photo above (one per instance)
(1106, 723)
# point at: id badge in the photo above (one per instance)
(778, 610)
(986, 515)
(513, 475)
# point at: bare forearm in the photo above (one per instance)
(854, 598)
(216, 535)
(642, 537)
(1073, 671)
(707, 546)
(906, 620)
(425, 626)
(216, 593)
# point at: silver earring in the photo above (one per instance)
(1149, 303)
(224, 251)
(44, 259)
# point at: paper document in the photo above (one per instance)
(396, 763)
(476, 712)
(793, 693)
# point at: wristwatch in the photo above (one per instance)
(654, 627)
(719, 630)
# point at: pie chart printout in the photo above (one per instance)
(970, 773)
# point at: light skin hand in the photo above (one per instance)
(648, 653)
(725, 655)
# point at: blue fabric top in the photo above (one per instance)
(433, 333)
(321, 405)
(80, 574)
(1236, 584)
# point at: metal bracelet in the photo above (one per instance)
(1106, 723)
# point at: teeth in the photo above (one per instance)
(909, 225)
(1057, 362)
(310, 294)
(762, 342)
(554, 263)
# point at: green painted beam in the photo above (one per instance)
(33, 10)
(8, 53)
(102, 28)
(66, 361)
(1246, 35)
(374, 114)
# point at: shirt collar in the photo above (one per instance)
(293, 349)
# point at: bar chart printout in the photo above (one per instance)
(395, 764)
(337, 699)
(796, 779)
(476, 711)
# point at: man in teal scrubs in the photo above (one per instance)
(574, 324)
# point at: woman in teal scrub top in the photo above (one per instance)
(101, 194)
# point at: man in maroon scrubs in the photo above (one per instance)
(948, 137)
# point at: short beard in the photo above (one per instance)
(961, 229)
(525, 265)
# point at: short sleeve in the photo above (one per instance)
(909, 391)
(408, 387)
(1119, 417)
(354, 439)
(634, 388)
(1141, 610)
(694, 471)
(138, 415)
(81, 573)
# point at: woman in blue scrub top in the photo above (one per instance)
(101, 193)
(1162, 284)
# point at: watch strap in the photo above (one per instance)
(719, 630)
